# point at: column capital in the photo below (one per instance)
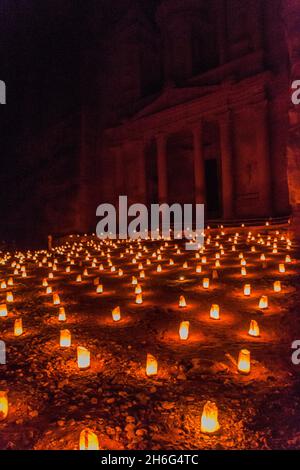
(161, 137)
(225, 118)
(197, 126)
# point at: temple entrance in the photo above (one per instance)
(213, 189)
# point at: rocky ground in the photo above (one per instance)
(51, 400)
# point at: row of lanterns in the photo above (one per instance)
(209, 419)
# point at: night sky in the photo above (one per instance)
(51, 52)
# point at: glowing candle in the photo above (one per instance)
(281, 268)
(198, 268)
(99, 289)
(158, 269)
(61, 314)
(3, 285)
(116, 314)
(205, 282)
(263, 302)
(151, 365)
(171, 262)
(244, 361)
(243, 271)
(277, 286)
(247, 289)
(138, 289)
(65, 339)
(142, 274)
(78, 278)
(182, 302)
(139, 299)
(56, 299)
(209, 418)
(133, 280)
(3, 310)
(3, 405)
(45, 283)
(253, 329)
(18, 327)
(184, 330)
(215, 274)
(215, 312)
(288, 259)
(9, 297)
(262, 257)
(88, 440)
(49, 290)
(83, 357)
(10, 281)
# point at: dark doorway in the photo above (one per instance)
(212, 184)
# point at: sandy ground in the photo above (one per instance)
(51, 400)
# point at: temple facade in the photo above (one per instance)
(183, 101)
(197, 104)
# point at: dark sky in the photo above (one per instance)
(44, 46)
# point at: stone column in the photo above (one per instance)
(141, 163)
(263, 152)
(161, 143)
(199, 169)
(119, 174)
(227, 167)
(291, 14)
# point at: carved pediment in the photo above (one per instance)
(172, 96)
